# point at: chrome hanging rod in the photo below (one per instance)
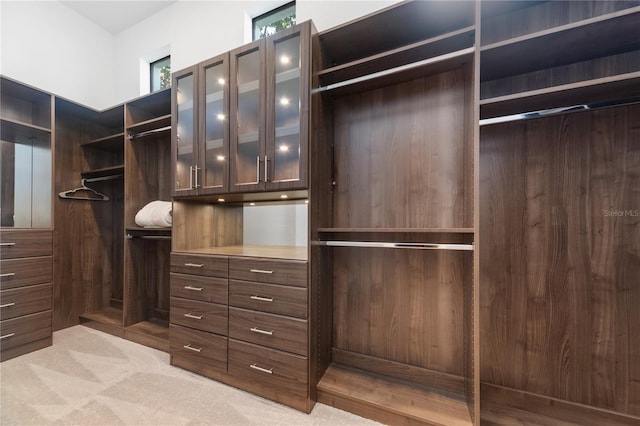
(100, 179)
(148, 237)
(149, 132)
(378, 244)
(402, 68)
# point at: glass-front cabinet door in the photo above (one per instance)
(247, 146)
(288, 100)
(184, 128)
(213, 167)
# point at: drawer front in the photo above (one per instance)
(269, 369)
(273, 298)
(199, 347)
(22, 330)
(203, 316)
(204, 289)
(286, 272)
(25, 300)
(199, 264)
(28, 271)
(25, 243)
(274, 331)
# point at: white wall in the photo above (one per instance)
(50, 46)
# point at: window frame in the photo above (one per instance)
(270, 13)
(151, 79)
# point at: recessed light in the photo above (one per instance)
(284, 59)
(221, 81)
(221, 200)
(220, 116)
(283, 148)
(220, 157)
(284, 101)
(284, 196)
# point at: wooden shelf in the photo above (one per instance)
(111, 143)
(398, 25)
(104, 172)
(625, 86)
(14, 129)
(153, 333)
(139, 232)
(273, 252)
(399, 230)
(424, 49)
(390, 401)
(423, 68)
(587, 39)
(152, 124)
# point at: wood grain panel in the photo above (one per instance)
(560, 258)
(205, 349)
(23, 330)
(204, 289)
(287, 381)
(194, 264)
(25, 243)
(203, 316)
(401, 305)
(276, 299)
(28, 271)
(23, 301)
(275, 331)
(289, 272)
(401, 150)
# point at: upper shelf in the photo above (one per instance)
(105, 172)
(11, 130)
(111, 143)
(148, 107)
(162, 123)
(398, 25)
(578, 41)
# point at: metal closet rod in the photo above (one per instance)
(379, 244)
(149, 237)
(149, 132)
(99, 179)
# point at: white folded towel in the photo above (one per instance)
(156, 214)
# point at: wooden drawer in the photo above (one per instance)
(28, 271)
(26, 329)
(274, 331)
(25, 300)
(200, 264)
(25, 243)
(269, 372)
(205, 289)
(199, 347)
(203, 316)
(273, 298)
(287, 272)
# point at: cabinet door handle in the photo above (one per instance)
(190, 315)
(261, 271)
(262, 299)
(9, 274)
(194, 265)
(264, 370)
(196, 178)
(188, 287)
(7, 244)
(6, 305)
(260, 331)
(266, 168)
(190, 176)
(258, 168)
(191, 348)
(6, 336)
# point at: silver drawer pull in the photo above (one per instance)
(261, 271)
(264, 370)
(194, 265)
(262, 299)
(198, 317)
(260, 331)
(6, 336)
(191, 348)
(10, 274)
(188, 287)
(7, 244)
(6, 305)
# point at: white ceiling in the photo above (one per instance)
(116, 16)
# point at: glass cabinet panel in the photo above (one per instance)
(215, 150)
(248, 118)
(25, 181)
(286, 159)
(185, 134)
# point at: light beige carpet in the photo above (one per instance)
(91, 378)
